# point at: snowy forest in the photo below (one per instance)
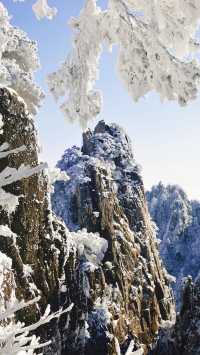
(93, 261)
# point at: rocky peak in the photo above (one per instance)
(128, 295)
(108, 142)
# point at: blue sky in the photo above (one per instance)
(166, 138)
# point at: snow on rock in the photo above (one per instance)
(91, 246)
(6, 232)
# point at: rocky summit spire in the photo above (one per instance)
(121, 301)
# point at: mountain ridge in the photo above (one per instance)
(178, 222)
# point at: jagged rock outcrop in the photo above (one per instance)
(126, 295)
(183, 337)
(38, 245)
(178, 222)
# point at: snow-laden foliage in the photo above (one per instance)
(9, 175)
(156, 41)
(18, 62)
(42, 9)
(15, 338)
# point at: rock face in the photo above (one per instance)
(40, 252)
(183, 337)
(125, 294)
(178, 221)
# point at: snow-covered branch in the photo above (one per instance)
(157, 46)
(16, 338)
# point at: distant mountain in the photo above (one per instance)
(178, 222)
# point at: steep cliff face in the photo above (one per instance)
(183, 337)
(178, 221)
(37, 245)
(125, 295)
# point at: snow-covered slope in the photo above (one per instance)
(178, 222)
(127, 296)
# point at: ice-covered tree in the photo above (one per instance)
(157, 46)
(18, 62)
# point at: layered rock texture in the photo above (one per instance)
(178, 222)
(122, 293)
